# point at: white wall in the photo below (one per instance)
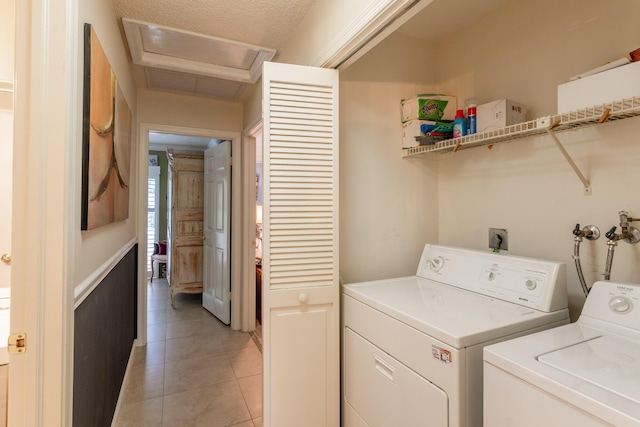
(390, 206)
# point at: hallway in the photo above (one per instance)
(194, 370)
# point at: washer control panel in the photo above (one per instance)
(530, 282)
(620, 304)
(614, 302)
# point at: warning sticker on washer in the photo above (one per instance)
(441, 354)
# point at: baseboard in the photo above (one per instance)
(124, 383)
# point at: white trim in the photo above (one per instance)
(71, 221)
(248, 308)
(371, 21)
(84, 288)
(381, 34)
(236, 232)
(6, 86)
(133, 31)
(236, 292)
(46, 126)
(154, 173)
(125, 380)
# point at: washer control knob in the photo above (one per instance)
(436, 263)
(620, 304)
(531, 284)
(492, 275)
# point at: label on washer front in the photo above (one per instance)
(441, 354)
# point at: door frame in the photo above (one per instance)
(236, 226)
(44, 220)
(249, 225)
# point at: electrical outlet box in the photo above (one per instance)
(498, 239)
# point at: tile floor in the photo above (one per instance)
(194, 370)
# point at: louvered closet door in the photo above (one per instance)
(300, 247)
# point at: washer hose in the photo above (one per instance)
(576, 258)
(607, 269)
(611, 244)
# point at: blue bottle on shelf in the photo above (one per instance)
(459, 125)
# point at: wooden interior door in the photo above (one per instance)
(301, 294)
(184, 236)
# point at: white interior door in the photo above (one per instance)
(6, 171)
(217, 214)
(300, 286)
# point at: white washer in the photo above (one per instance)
(412, 346)
(583, 374)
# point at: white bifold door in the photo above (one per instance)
(217, 214)
(300, 247)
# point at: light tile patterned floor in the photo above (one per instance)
(194, 370)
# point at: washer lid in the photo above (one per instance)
(454, 316)
(607, 362)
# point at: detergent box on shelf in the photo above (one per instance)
(432, 107)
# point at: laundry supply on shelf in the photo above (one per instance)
(429, 107)
(424, 132)
(499, 114)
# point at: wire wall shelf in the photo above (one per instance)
(616, 110)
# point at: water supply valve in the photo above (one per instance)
(611, 234)
(628, 233)
(589, 232)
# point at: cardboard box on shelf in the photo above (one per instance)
(428, 107)
(498, 114)
(611, 85)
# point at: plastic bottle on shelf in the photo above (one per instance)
(459, 125)
(472, 126)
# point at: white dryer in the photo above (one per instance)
(412, 346)
(584, 374)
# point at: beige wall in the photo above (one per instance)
(388, 206)
(521, 52)
(94, 248)
(7, 39)
(526, 186)
(188, 111)
(327, 25)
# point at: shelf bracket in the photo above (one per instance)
(585, 181)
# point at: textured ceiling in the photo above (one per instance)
(266, 23)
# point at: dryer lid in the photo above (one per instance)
(454, 316)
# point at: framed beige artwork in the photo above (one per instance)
(106, 140)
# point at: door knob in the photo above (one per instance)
(303, 297)
(6, 258)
